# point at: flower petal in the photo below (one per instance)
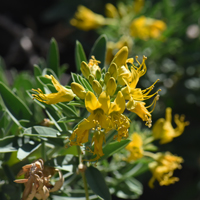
(104, 100)
(91, 102)
(121, 56)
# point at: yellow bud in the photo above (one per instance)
(101, 82)
(79, 90)
(121, 56)
(107, 77)
(98, 74)
(91, 78)
(111, 11)
(85, 69)
(113, 70)
(96, 87)
(111, 86)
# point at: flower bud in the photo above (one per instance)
(111, 86)
(96, 87)
(101, 82)
(121, 56)
(98, 74)
(91, 78)
(78, 89)
(113, 70)
(107, 77)
(111, 11)
(85, 69)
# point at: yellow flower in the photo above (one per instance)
(146, 28)
(164, 130)
(163, 168)
(62, 95)
(94, 66)
(98, 121)
(86, 20)
(98, 139)
(104, 116)
(140, 109)
(136, 96)
(135, 147)
(119, 121)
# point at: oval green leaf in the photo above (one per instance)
(97, 183)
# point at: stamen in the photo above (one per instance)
(139, 69)
(93, 61)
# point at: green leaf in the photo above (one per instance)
(86, 83)
(48, 71)
(99, 50)
(67, 110)
(26, 149)
(37, 71)
(129, 189)
(42, 131)
(113, 147)
(17, 109)
(7, 144)
(61, 162)
(12, 191)
(70, 150)
(54, 116)
(53, 57)
(2, 71)
(97, 183)
(79, 56)
(74, 78)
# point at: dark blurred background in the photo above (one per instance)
(26, 28)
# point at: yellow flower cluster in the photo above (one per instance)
(163, 168)
(113, 91)
(86, 20)
(141, 27)
(146, 28)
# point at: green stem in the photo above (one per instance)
(83, 175)
(150, 154)
(43, 149)
(85, 185)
